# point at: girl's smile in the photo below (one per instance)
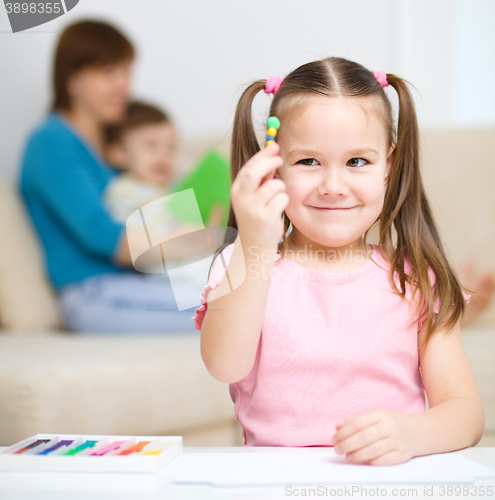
(336, 163)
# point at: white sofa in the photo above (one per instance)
(54, 381)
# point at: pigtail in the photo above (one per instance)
(407, 210)
(244, 143)
(243, 146)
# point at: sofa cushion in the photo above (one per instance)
(90, 384)
(27, 300)
(459, 179)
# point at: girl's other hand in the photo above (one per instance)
(380, 437)
(258, 200)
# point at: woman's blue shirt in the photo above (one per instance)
(62, 182)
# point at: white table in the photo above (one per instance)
(51, 486)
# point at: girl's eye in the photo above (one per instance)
(308, 161)
(357, 162)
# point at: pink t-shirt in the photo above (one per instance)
(332, 346)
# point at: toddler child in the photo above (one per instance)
(144, 146)
(327, 340)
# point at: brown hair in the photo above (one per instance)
(85, 44)
(405, 210)
(137, 114)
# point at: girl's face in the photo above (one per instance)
(102, 91)
(336, 163)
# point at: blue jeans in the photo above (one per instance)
(125, 303)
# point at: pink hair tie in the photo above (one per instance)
(381, 76)
(272, 84)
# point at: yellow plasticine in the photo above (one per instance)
(271, 131)
(163, 447)
(270, 142)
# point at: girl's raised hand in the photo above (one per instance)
(258, 200)
(379, 437)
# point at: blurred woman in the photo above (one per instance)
(62, 180)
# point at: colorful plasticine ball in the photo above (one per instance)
(274, 122)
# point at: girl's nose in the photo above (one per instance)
(333, 182)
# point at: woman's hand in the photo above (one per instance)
(216, 216)
(258, 204)
(380, 437)
(483, 284)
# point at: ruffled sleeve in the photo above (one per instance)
(216, 276)
(436, 307)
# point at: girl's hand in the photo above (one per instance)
(258, 204)
(380, 437)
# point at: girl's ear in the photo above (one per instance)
(390, 160)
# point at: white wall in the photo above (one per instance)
(474, 64)
(446, 48)
(195, 56)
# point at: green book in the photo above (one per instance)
(210, 180)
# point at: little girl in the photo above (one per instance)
(321, 335)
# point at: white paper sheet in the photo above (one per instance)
(289, 468)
